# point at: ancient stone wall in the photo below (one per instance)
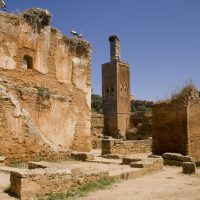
(113, 146)
(97, 122)
(45, 90)
(32, 184)
(176, 124)
(170, 128)
(194, 131)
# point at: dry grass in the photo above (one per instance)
(36, 17)
(77, 45)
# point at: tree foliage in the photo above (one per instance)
(96, 103)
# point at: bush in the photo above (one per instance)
(96, 103)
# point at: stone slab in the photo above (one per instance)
(129, 160)
(113, 156)
(189, 167)
(82, 156)
(36, 165)
(151, 164)
(177, 156)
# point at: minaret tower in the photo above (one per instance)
(116, 92)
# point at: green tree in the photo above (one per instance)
(96, 103)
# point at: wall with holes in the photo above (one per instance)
(45, 88)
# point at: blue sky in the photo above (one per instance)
(160, 39)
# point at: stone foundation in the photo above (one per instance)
(32, 184)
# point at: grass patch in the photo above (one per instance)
(82, 191)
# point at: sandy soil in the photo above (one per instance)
(168, 184)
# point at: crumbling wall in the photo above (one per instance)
(170, 128)
(176, 124)
(45, 88)
(97, 122)
(36, 183)
(194, 131)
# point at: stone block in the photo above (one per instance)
(154, 156)
(177, 156)
(129, 160)
(82, 156)
(189, 167)
(113, 156)
(173, 162)
(36, 165)
(149, 164)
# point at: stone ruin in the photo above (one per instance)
(45, 93)
(176, 126)
(118, 121)
(45, 89)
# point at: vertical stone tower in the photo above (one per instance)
(116, 92)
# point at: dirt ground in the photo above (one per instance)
(168, 184)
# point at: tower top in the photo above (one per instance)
(114, 47)
(112, 38)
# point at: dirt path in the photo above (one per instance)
(168, 184)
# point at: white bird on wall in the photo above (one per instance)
(76, 34)
(3, 5)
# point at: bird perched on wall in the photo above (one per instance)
(76, 34)
(3, 5)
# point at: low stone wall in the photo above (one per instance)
(114, 146)
(32, 184)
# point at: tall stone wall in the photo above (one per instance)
(170, 128)
(194, 131)
(45, 89)
(176, 124)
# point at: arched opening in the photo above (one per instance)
(27, 62)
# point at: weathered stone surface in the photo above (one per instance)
(151, 164)
(176, 156)
(113, 156)
(154, 156)
(176, 124)
(173, 162)
(36, 165)
(189, 167)
(45, 92)
(144, 163)
(97, 125)
(82, 156)
(35, 183)
(114, 146)
(129, 160)
(116, 93)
